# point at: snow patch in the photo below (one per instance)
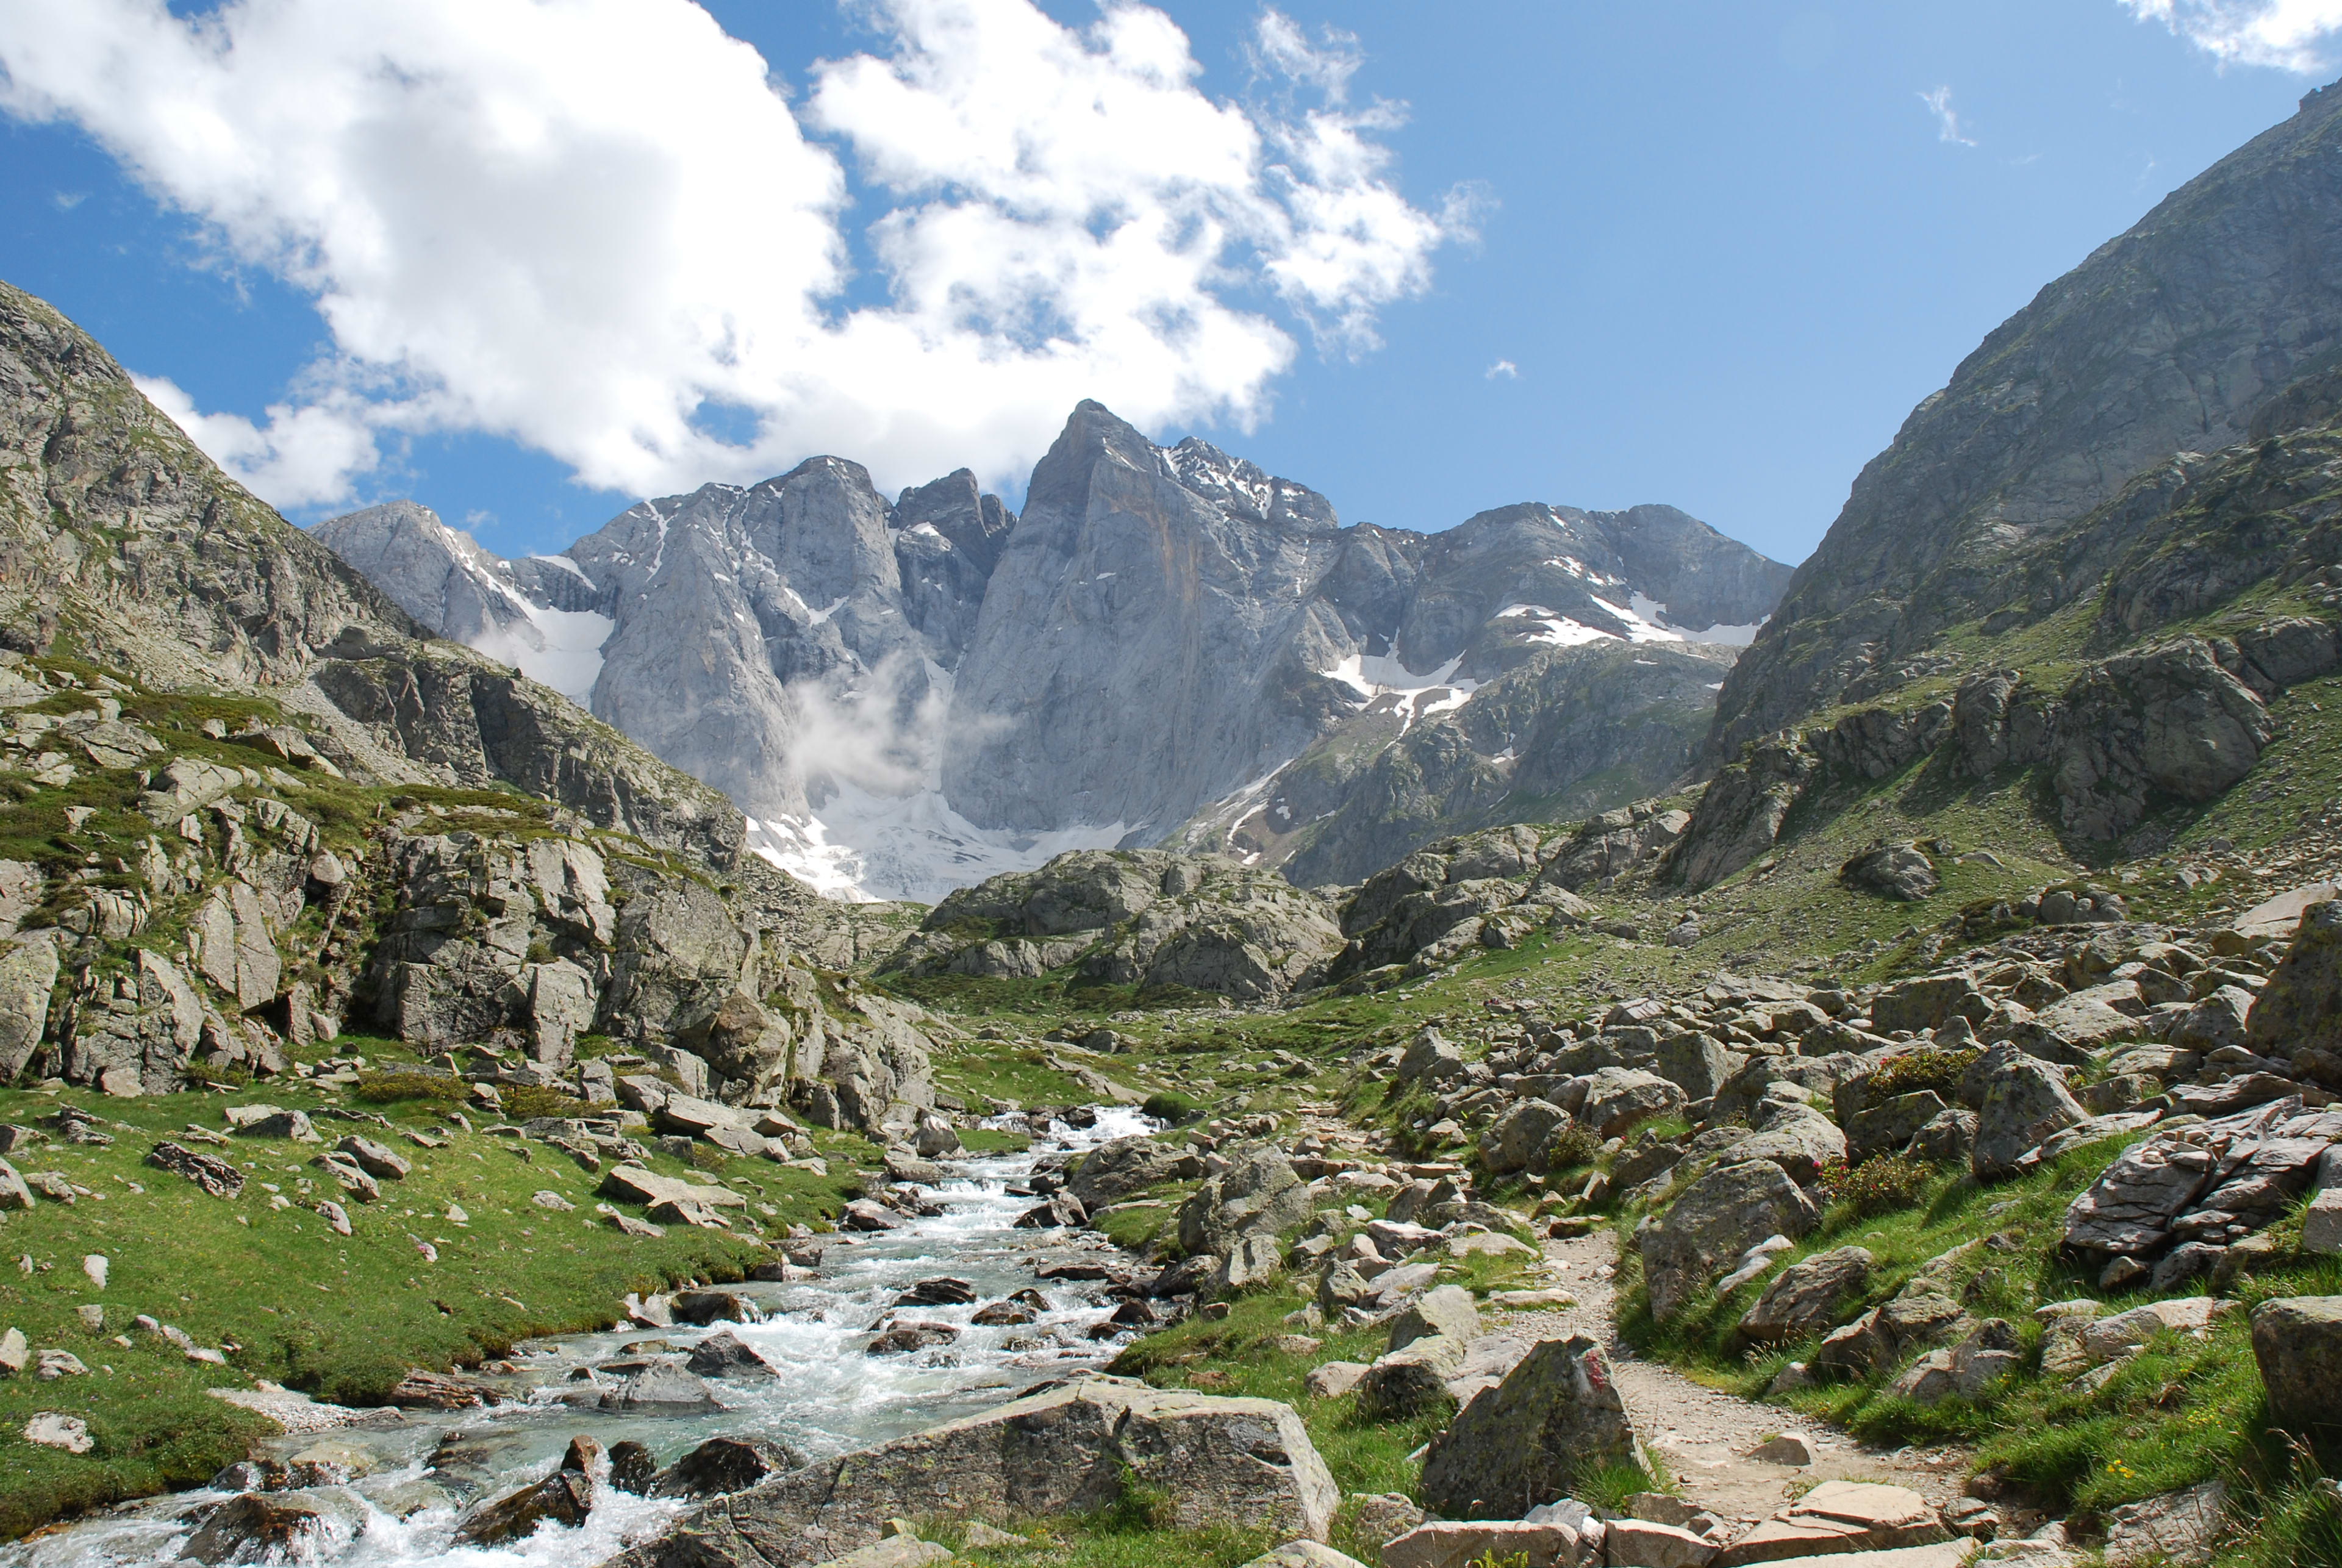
(1653, 614)
(1550, 627)
(567, 564)
(862, 847)
(1378, 675)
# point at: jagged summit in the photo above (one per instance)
(906, 698)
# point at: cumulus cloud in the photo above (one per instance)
(1948, 121)
(306, 456)
(597, 228)
(1504, 369)
(2287, 34)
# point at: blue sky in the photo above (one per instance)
(1717, 251)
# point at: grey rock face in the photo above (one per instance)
(437, 574)
(1140, 918)
(2025, 1101)
(1556, 1414)
(2207, 308)
(1070, 1450)
(1718, 1218)
(1802, 1298)
(2297, 1343)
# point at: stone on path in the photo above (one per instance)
(1787, 1449)
(1644, 1544)
(1839, 1516)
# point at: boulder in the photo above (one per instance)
(1697, 1064)
(1888, 1127)
(1927, 1000)
(1948, 1140)
(2297, 1343)
(1126, 1166)
(1802, 1298)
(277, 1526)
(1410, 1380)
(725, 1355)
(1448, 1310)
(1524, 1442)
(29, 973)
(1621, 1098)
(1797, 1138)
(722, 1464)
(1646, 1543)
(565, 1497)
(659, 1389)
(378, 1160)
(1448, 1543)
(2300, 1008)
(1070, 1449)
(1304, 1553)
(1719, 1217)
(1257, 1194)
(1896, 871)
(1516, 1141)
(2025, 1101)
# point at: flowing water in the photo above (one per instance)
(829, 1396)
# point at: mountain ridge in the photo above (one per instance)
(922, 693)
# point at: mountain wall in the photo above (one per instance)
(2164, 341)
(909, 698)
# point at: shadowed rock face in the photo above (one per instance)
(2165, 341)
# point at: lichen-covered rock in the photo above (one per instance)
(1517, 1139)
(29, 973)
(1621, 1098)
(2025, 1101)
(1257, 1195)
(1069, 1450)
(1718, 1218)
(1802, 1298)
(2297, 1343)
(1526, 1440)
(1898, 871)
(2300, 1008)
(1124, 1166)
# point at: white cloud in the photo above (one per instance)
(1947, 122)
(1505, 368)
(307, 457)
(596, 227)
(2287, 34)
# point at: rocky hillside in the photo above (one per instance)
(1169, 646)
(2166, 341)
(250, 804)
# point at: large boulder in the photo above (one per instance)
(1517, 1139)
(1803, 1299)
(2297, 1341)
(1719, 1217)
(1698, 1065)
(1411, 1379)
(2025, 1101)
(1896, 871)
(1257, 1195)
(1072, 1449)
(1524, 1441)
(2300, 1008)
(1115, 1170)
(1797, 1138)
(1889, 1127)
(1621, 1098)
